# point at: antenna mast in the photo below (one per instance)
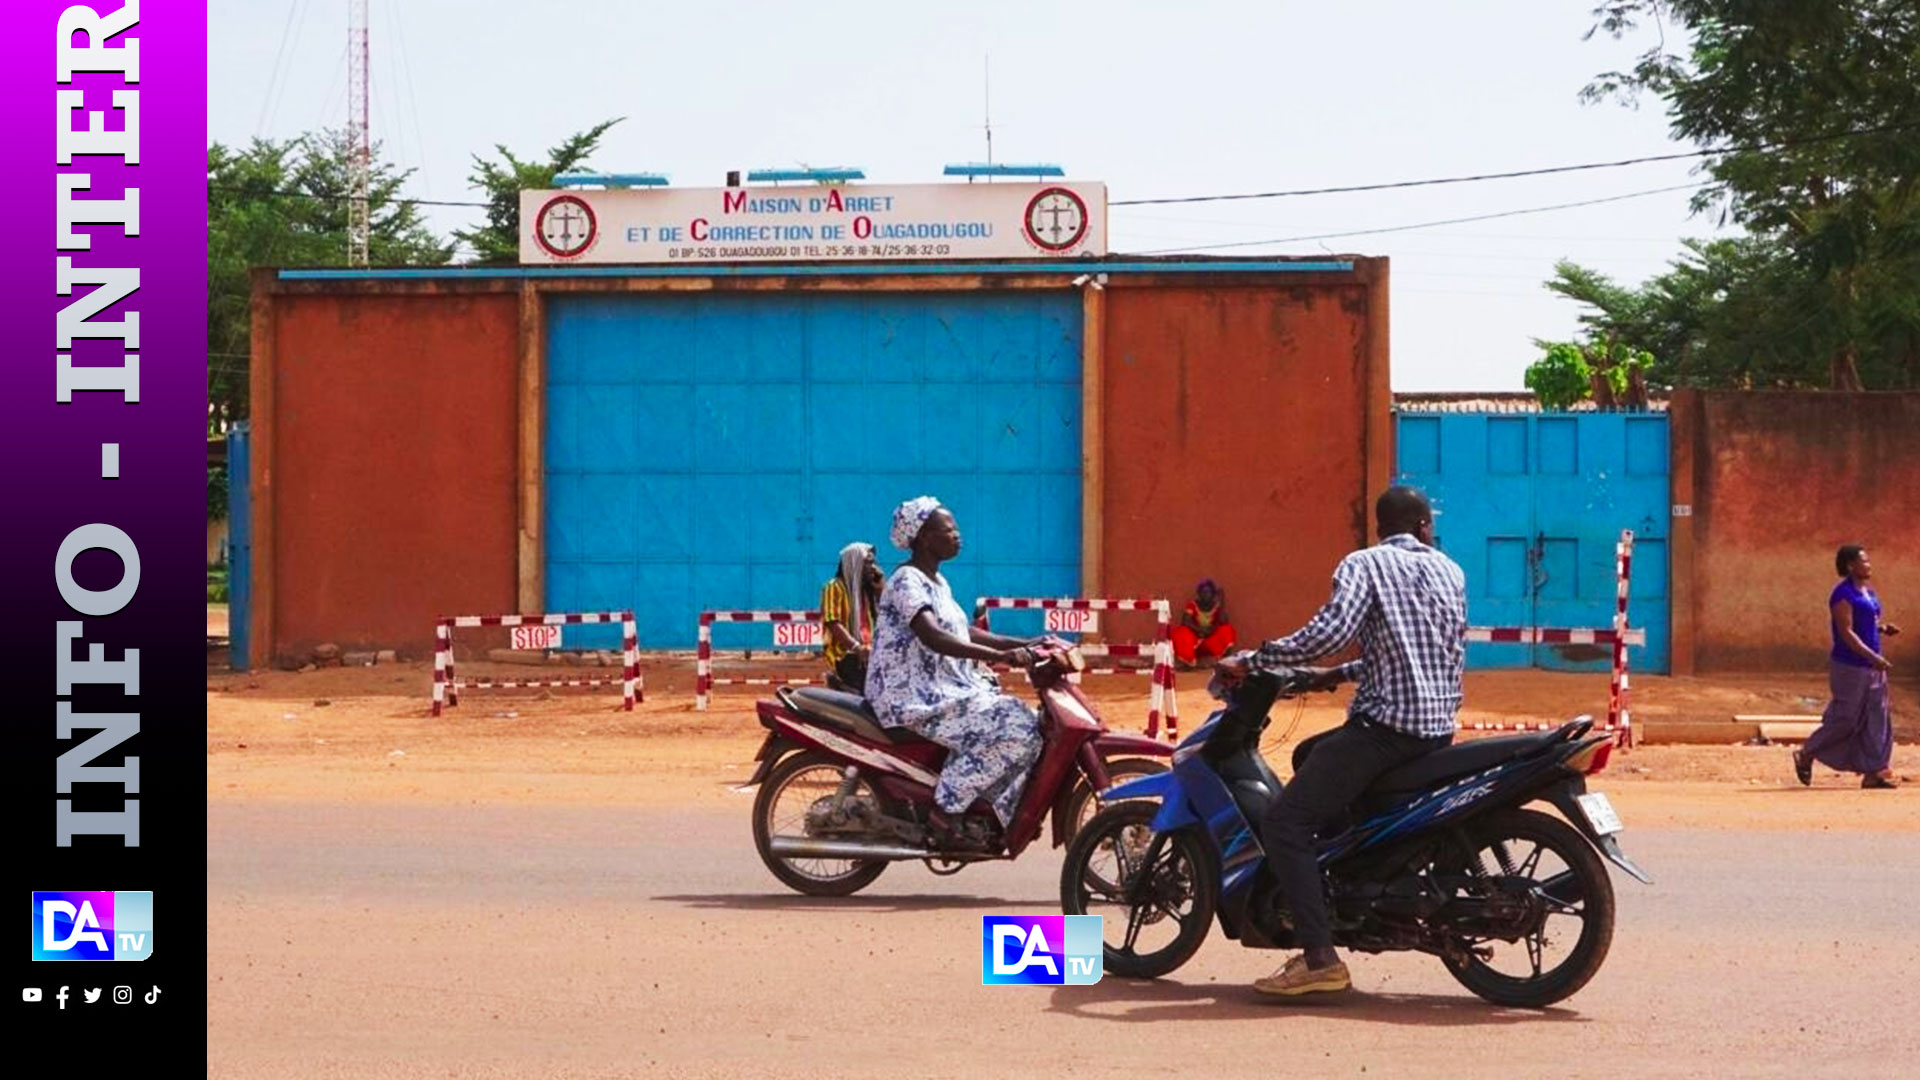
(359, 135)
(986, 81)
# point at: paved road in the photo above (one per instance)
(362, 940)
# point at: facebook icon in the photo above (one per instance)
(1040, 950)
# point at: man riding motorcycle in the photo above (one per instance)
(1407, 604)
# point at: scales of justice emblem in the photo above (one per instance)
(565, 226)
(1056, 219)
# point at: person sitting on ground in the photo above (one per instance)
(1204, 629)
(921, 676)
(849, 626)
(1407, 604)
(1856, 731)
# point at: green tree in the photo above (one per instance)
(216, 493)
(1607, 372)
(1816, 107)
(1561, 378)
(284, 204)
(498, 241)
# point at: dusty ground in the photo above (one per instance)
(540, 885)
(269, 737)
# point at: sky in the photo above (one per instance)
(1155, 99)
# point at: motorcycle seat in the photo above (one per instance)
(848, 712)
(1457, 760)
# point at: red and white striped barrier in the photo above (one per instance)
(1619, 635)
(1618, 715)
(1546, 635)
(704, 680)
(1163, 698)
(446, 687)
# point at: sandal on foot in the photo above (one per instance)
(1802, 769)
(1872, 781)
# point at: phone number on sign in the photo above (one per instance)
(812, 251)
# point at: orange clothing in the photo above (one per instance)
(1187, 645)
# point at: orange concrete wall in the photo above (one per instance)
(394, 457)
(1242, 429)
(1236, 443)
(1778, 482)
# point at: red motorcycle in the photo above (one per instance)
(841, 796)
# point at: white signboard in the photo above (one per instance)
(1064, 621)
(536, 637)
(798, 634)
(805, 223)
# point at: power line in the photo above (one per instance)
(266, 99)
(1430, 224)
(1550, 171)
(279, 96)
(1387, 186)
(413, 103)
(237, 189)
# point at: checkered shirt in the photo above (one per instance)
(1407, 603)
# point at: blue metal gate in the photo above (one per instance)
(1531, 505)
(239, 546)
(716, 451)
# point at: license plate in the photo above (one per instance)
(1600, 813)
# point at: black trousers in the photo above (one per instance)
(1337, 768)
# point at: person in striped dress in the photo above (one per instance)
(849, 625)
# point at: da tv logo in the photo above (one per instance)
(1040, 950)
(92, 925)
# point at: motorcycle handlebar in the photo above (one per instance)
(1286, 682)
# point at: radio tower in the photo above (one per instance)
(359, 135)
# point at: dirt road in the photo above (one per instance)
(572, 891)
(573, 941)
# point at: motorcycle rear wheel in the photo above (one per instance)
(793, 786)
(1180, 888)
(1573, 884)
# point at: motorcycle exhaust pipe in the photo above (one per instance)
(801, 847)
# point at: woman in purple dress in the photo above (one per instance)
(1856, 731)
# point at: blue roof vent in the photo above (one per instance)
(973, 169)
(833, 175)
(610, 180)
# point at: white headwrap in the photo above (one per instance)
(909, 517)
(853, 577)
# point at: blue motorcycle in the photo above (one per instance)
(1441, 855)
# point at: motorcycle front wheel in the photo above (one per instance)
(1086, 802)
(1571, 924)
(780, 809)
(1157, 894)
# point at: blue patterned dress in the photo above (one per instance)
(992, 738)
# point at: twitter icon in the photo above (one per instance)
(91, 995)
